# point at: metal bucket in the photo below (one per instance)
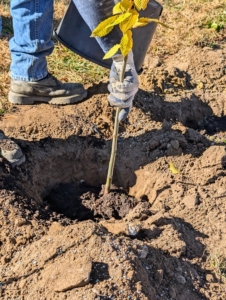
(74, 33)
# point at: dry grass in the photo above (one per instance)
(191, 21)
(218, 264)
(5, 57)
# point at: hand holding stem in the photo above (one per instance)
(115, 138)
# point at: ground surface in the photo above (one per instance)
(58, 241)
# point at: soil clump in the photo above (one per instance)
(82, 202)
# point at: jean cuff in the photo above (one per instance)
(31, 79)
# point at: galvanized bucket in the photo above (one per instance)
(74, 33)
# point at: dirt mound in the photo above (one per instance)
(60, 240)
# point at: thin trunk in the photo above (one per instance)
(115, 139)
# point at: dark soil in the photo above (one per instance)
(82, 202)
(213, 124)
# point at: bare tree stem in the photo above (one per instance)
(115, 138)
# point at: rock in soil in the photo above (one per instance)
(77, 273)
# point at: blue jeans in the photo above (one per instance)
(33, 26)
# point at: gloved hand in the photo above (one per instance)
(123, 93)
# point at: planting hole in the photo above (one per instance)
(81, 202)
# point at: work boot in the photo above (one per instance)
(11, 151)
(49, 90)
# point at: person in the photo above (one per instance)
(31, 44)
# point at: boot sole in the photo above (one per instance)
(28, 100)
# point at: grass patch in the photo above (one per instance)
(67, 66)
(194, 23)
(218, 265)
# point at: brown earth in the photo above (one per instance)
(60, 241)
